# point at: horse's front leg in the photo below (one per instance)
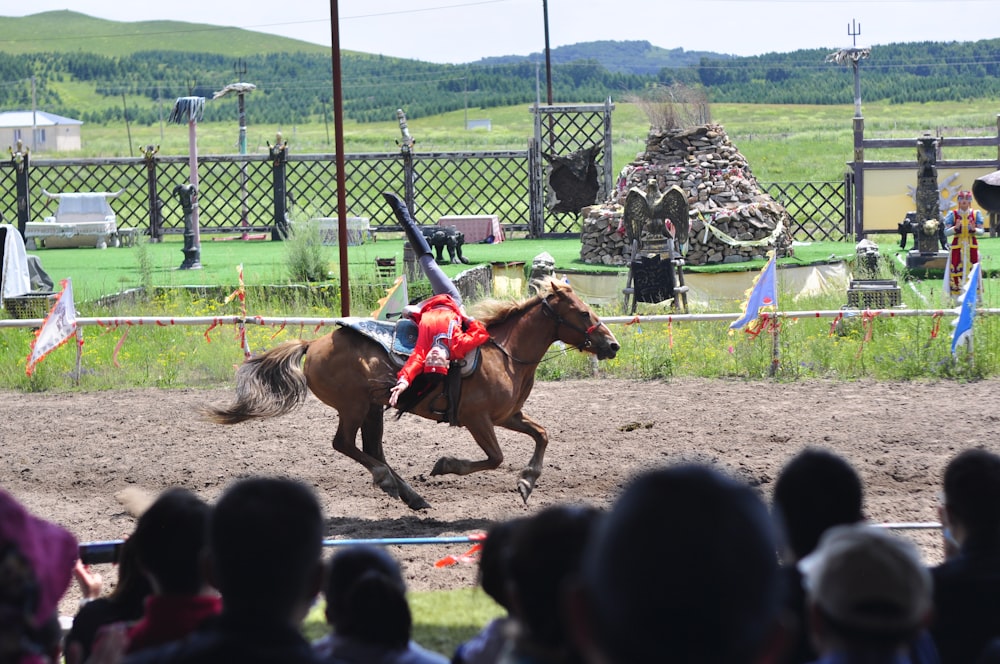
(523, 424)
(481, 429)
(384, 477)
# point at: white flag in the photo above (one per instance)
(58, 327)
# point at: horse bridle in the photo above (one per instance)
(552, 313)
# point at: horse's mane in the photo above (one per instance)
(493, 311)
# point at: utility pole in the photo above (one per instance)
(241, 89)
(34, 114)
(548, 54)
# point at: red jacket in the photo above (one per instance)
(171, 617)
(441, 319)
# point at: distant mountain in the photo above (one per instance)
(621, 57)
(82, 67)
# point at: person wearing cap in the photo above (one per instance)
(963, 224)
(869, 595)
(445, 333)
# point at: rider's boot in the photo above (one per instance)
(417, 240)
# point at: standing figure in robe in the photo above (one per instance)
(963, 224)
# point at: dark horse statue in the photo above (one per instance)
(353, 374)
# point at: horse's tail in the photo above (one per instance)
(267, 385)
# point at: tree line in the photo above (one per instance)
(296, 87)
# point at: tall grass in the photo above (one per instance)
(882, 348)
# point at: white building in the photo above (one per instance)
(52, 133)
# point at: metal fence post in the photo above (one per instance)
(406, 151)
(279, 168)
(155, 205)
(20, 159)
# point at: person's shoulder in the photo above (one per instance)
(417, 654)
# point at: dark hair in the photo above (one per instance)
(265, 536)
(132, 586)
(685, 563)
(169, 538)
(817, 489)
(493, 560)
(366, 597)
(972, 491)
(544, 557)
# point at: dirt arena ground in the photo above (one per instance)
(67, 456)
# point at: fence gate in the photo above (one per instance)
(571, 165)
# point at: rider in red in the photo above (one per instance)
(445, 333)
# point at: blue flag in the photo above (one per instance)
(763, 293)
(966, 311)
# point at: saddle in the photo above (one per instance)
(398, 338)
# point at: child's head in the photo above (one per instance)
(169, 538)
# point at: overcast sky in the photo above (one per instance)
(459, 31)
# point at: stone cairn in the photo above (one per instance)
(721, 190)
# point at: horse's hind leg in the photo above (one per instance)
(524, 424)
(371, 443)
(384, 477)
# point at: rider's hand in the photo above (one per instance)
(397, 389)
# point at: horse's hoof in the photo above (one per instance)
(524, 488)
(442, 467)
(384, 480)
(417, 503)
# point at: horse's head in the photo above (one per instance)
(576, 323)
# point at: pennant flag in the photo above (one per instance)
(391, 306)
(762, 294)
(58, 327)
(966, 311)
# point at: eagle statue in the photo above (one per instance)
(650, 213)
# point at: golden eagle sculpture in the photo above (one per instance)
(650, 213)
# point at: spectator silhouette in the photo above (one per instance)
(265, 540)
(683, 569)
(815, 490)
(869, 595)
(169, 539)
(543, 561)
(967, 584)
(36, 567)
(368, 613)
(124, 604)
(487, 646)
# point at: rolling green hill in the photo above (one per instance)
(106, 72)
(67, 31)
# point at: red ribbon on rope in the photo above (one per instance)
(866, 324)
(467, 557)
(215, 324)
(833, 325)
(936, 323)
(278, 331)
(118, 347)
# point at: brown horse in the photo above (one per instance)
(352, 374)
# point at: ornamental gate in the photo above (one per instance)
(570, 164)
